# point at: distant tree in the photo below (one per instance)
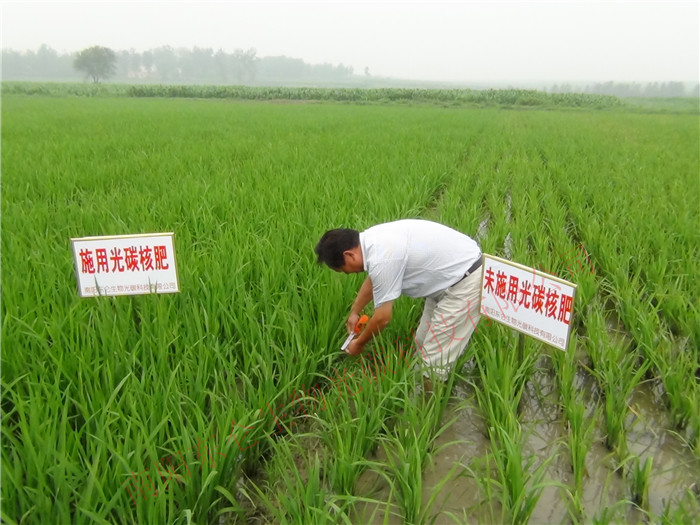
(166, 63)
(197, 64)
(222, 62)
(327, 71)
(147, 61)
(282, 67)
(134, 63)
(97, 62)
(45, 62)
(674, 89)
(14, 64)
(244, 65)
(652, 90)
(123, 64)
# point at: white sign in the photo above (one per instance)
(125, 264)
(532, 302)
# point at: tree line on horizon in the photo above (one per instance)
(168, 65)
(633, 89)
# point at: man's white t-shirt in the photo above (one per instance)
(415, 257)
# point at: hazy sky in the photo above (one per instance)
(517, 40)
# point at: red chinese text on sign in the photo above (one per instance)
(125, 264)
(527, 300)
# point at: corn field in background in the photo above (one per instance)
(229, 402)
(451, 97)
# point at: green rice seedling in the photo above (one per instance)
(519, 476)
(640, 477)
(295, 492)
(492, 499)
(686, 511)
(581, 429)
(349, 437)
(675, 365)
(360, 403)
(407, 454)
(406, 466)
(502, 381)
(694, 438)
(408, 445)
(611, 514)
(581, 426)
(619, 372)
(502, 377)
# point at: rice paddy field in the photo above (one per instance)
(230, 402)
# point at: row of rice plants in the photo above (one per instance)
(540, 217)
(540, 241)
(618, 364)
(614, 363)
(408, 448)
(580, 411)
(560, 237)
(651, 287)
(510, 477)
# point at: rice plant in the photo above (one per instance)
(640, 475)
(296, 493)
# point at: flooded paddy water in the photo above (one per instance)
(607, 495)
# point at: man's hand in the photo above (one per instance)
(351, 322)
(376, 324)
(355, 348)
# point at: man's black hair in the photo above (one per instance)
(332, 245)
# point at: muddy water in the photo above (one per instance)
(462, 499)
(460, 496)
(675, 468)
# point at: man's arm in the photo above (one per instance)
(364, 296)
(376, 324)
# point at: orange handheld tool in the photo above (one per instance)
(358, 328)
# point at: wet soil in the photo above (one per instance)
(606, 489)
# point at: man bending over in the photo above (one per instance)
(417, 258)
